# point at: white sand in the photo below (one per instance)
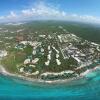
(4, 72)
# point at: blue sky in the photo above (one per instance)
(78, 10)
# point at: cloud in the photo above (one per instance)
(41, 10)
(45, 11)
(12, 15)
(27, 13)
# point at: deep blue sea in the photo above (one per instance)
(83, 89)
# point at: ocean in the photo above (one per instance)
(87, 88)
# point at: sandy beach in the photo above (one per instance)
(4, 72)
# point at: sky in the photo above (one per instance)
(71, 10)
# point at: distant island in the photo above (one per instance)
(46, 54)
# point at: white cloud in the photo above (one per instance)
(44, 11)
(12, 15)
(41, 10)
(27, 12)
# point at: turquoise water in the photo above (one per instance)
(83, 89)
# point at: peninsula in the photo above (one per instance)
(48, 53)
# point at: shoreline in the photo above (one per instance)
(4, 72)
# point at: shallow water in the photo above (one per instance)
(83, 89)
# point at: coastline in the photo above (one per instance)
(4, 72)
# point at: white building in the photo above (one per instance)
(47, 63)
(3, 53)
(49, 57)
(34, 52)
(27, 61)
(48, 47)
(58, 62)
(57, 55)
(35, 60)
